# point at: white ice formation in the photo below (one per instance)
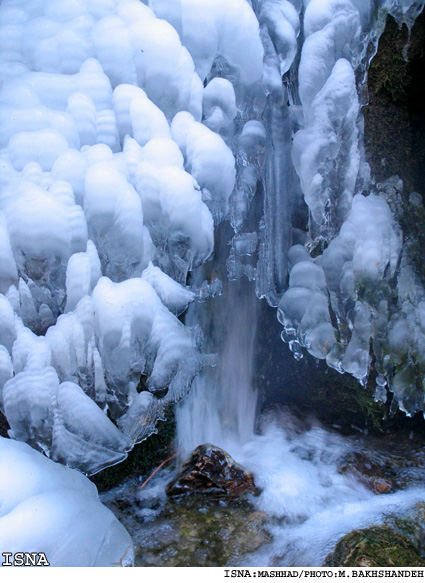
(129, 130)
(358, 299)
(110, 189)
(55, 510)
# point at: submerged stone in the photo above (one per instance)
(387, 464)
(211, 470)
(188, 531)
(199, 531)
(377, 546)
(369, 472)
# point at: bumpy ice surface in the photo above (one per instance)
(48, 508)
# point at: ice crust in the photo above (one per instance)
(215, 28)
(109, 192)
(350, 303)
(326, 150)
(48, 508)
(364, 253)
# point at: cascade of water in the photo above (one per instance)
(130, 132)
(222, 404)
(296, 466)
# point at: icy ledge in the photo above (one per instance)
(48, 508)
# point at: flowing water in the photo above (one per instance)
(222, 405)
(307, 504)
(295, 463)
(307, 501)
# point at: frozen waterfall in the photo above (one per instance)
(154, 155)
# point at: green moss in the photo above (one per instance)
(404, 526)
(412, 526)
(374, 412)
(390, 72)
(378, 546)
(202, 532)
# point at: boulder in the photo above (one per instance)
(377, 546)
(211, 470)
(201, 531)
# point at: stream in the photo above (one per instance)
(306, 503)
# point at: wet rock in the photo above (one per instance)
(377, 546)
(394, 116)
(201, 531)
(392, 462)
(210, 470)
(419, 528)
(188, 531)
(411, 525)
(312, 388)
(369, 472)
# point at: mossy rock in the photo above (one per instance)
(412, 525)
(200, 532)
(377, 546)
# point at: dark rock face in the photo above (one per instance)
(144, 458)
(311, 387)
(4, 425)
(394, 115)
(395, 125)
(378, 546)
(210, 470)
